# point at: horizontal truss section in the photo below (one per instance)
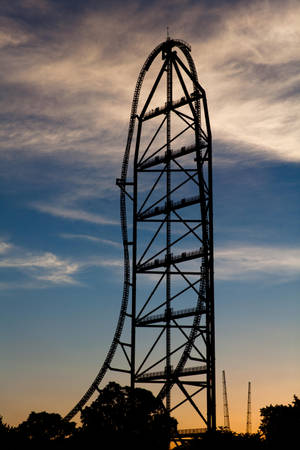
(172, 105)
(171, 315)
(190, 432)
(167, 208)
(167, 156)
(170, 259)
(199, 370)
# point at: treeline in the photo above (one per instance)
(111, 421)
(114, 421)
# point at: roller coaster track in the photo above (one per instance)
(204, 303)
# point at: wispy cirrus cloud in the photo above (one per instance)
(257, 262)
(72, 91)
(252, 75)
(74, 214)
(40, 266)
(87, 237)
(45, 269)
(242, 261)
(4, 247)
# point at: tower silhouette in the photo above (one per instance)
(249, 424)
(165, 335)
(225, 404)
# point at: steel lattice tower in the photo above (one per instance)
(225, 403)
(165, 337)
(249, 424)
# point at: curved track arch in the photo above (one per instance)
(195, 321)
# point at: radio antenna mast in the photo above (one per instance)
(225, 400)
(249, 425)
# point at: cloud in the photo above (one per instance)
(38, 270)
(90, 238)
(42, 267)
(257, 262)
(4, 247)
(114, 263)
(74, 214)
(245, 69)
(242, 262)
(72, 91)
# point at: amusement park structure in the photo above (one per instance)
(165, 337)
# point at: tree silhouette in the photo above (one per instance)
(3, 427)
(280, 424)
(42, 428)
(117, 419)
(226, 439)
(4, 432)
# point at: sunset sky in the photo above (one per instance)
(68, 72)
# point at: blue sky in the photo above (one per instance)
(67, 80)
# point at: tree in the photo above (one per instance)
(3, 427)
(280, 424)
(116, 418)
(4, 431)
(226, 439)
(42, 428)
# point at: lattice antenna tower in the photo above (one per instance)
(225, 403)
(249, 424)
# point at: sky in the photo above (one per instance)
(68, 72)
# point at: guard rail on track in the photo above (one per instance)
(171, 207)
(162, 374)
(173, 315)
(170, 259)
(173, 105)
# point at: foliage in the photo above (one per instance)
(45, 426)
(117, 418)
(227, 439)
(4, 432)
(3, 427)
(280, 424)
(41, 430)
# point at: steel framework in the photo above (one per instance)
(249, 425)
(165, 333)
(225, 403)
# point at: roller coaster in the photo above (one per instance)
(165, 336)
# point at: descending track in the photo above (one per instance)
(166, 210)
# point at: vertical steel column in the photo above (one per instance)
(211, 395)
(134, 256)
(168, 229)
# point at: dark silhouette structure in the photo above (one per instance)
(280, 424)
(249, 422)
(165, 335)
(112, 420)
(42, 427)
(225, 404)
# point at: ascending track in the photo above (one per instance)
(170, 168)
